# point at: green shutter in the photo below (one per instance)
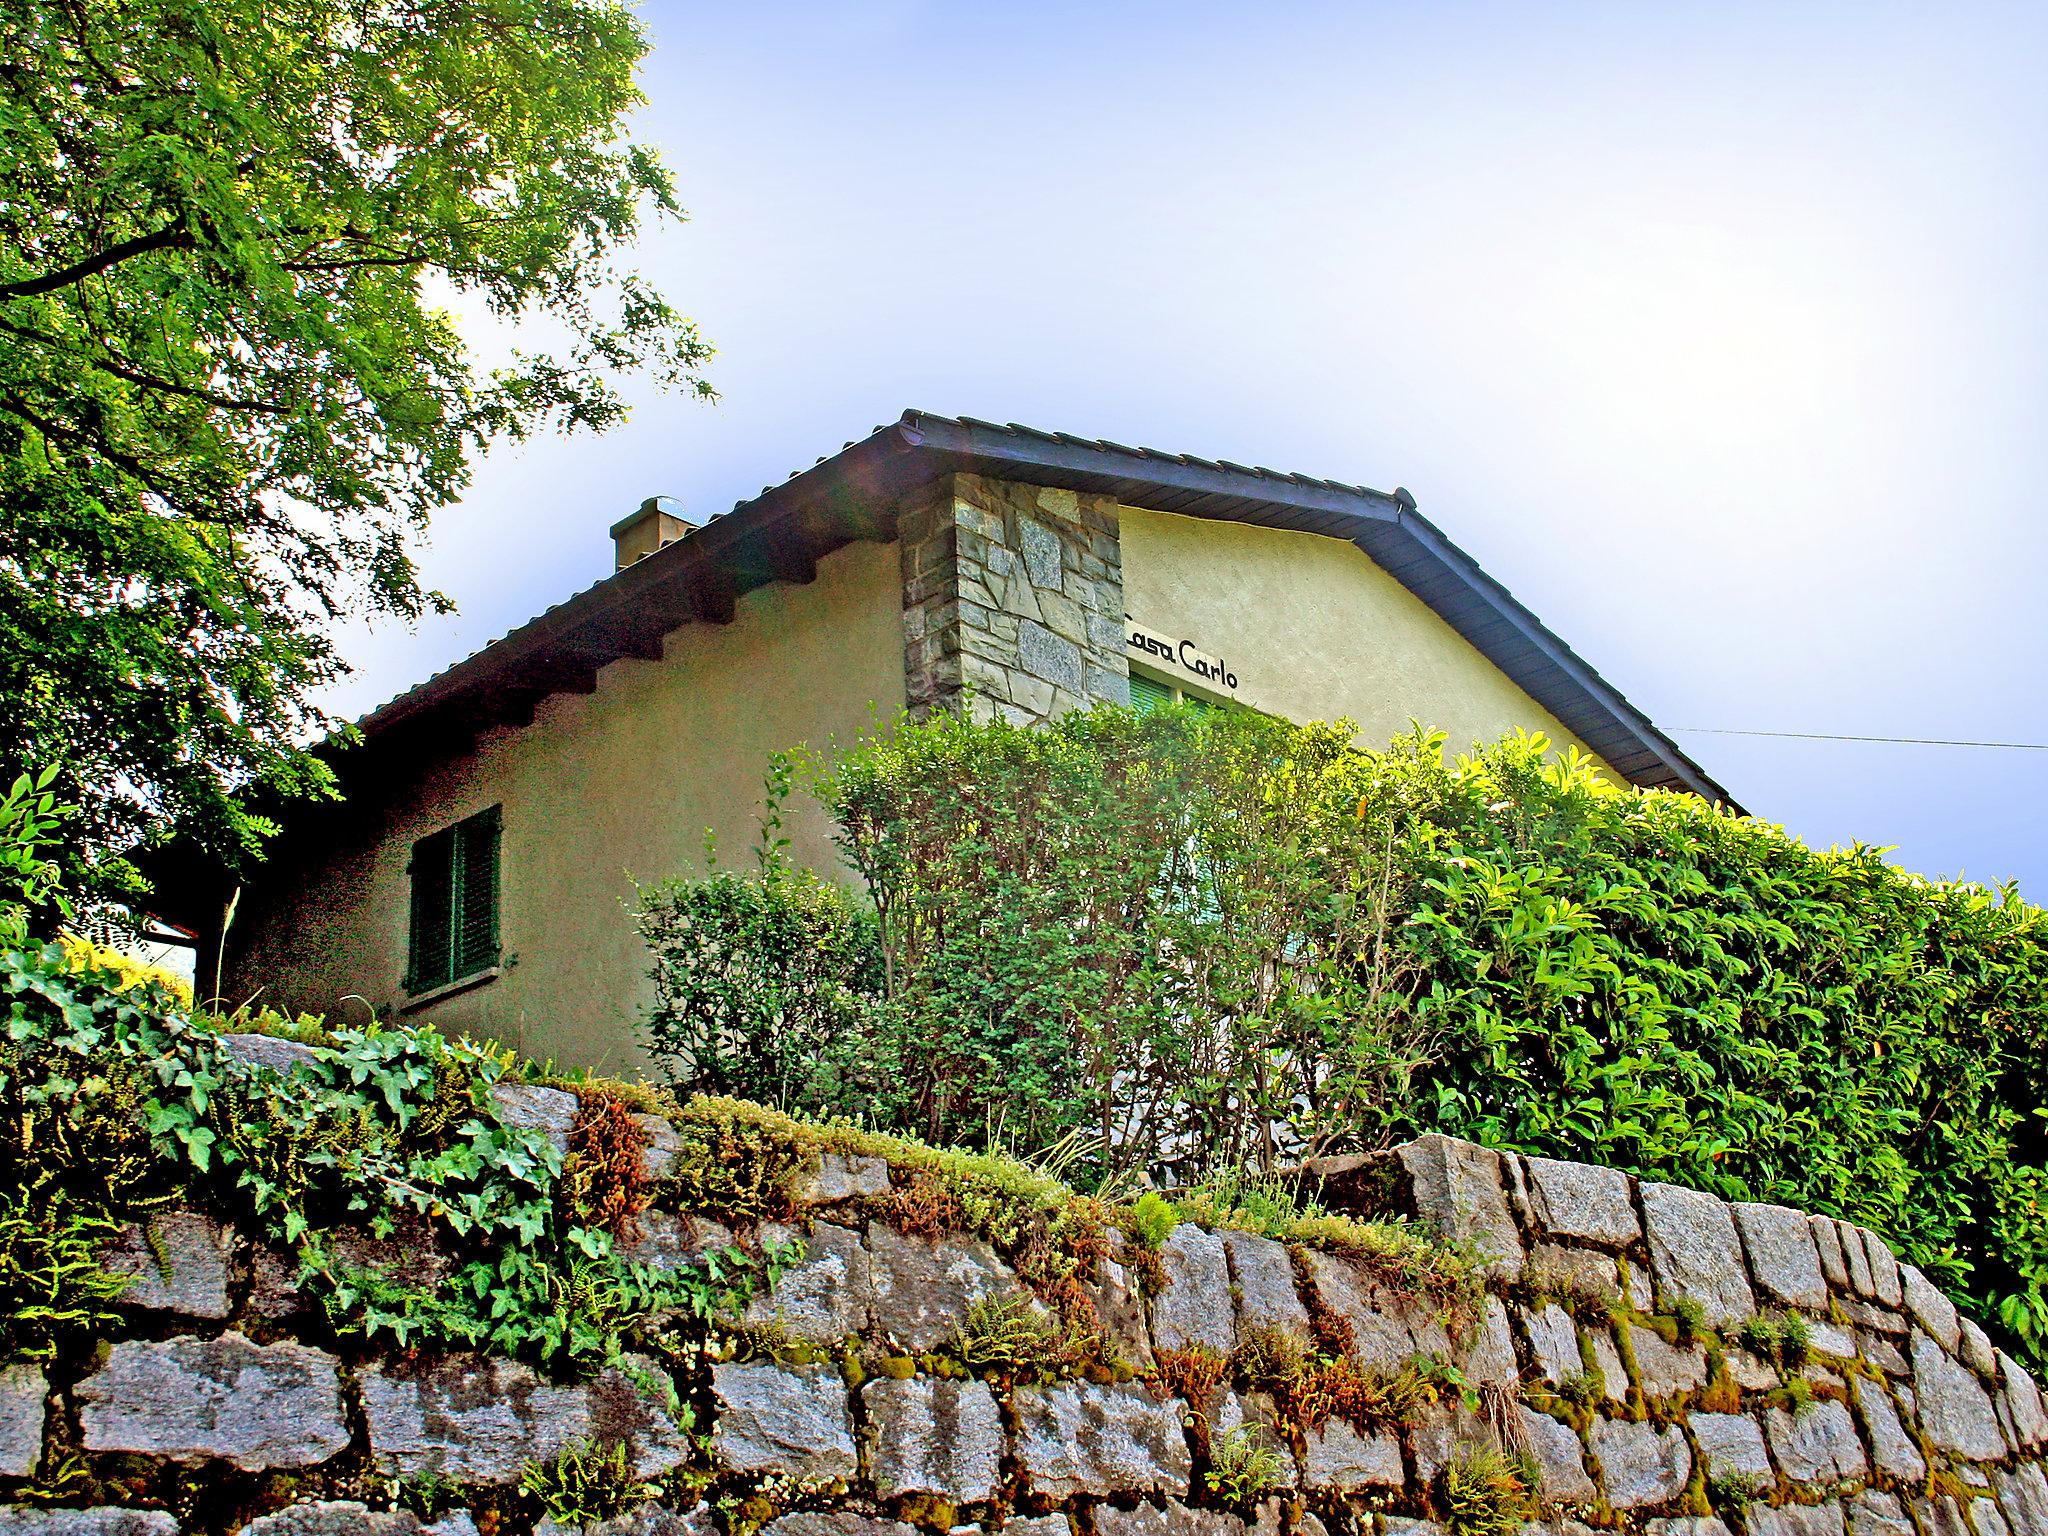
(454, 918)
(1149, 693)
(430, 954)
(476, 890)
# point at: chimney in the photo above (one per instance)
(651, 528)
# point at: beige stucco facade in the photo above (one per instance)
(601, 789)
(1314, 630)
(1008, 594)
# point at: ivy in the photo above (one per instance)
(114, 1101)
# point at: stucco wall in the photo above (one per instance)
(1315, 630)
(617, 783)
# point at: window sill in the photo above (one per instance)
(450, 988)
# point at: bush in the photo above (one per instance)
(1199, 941)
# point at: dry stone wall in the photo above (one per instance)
(1612, 1345)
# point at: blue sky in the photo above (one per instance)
(1715, 332)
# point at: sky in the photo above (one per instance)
(1715, 332)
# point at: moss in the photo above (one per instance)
(604, 1179)
(897, 1368)
(1191, 1374)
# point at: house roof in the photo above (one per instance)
(853, 494)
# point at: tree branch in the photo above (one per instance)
(159, 240)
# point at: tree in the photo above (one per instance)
(231, 390)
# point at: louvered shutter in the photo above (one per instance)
(431, 952)
(1149, 693)
(476, 894)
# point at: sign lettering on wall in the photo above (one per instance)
(1179, 656)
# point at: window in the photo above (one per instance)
(1149, 693)
(454, 904)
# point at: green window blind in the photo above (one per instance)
(454, 929)
(1149, 693)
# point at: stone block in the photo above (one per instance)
(336, 1517)
(1262, 1279)
(1975, 1349)
(1437, 1436)
(1830, 1338)
(1381, 1338)
(1823, 1519)
(267, 1051)
(838, 1522)
(647, 1520)
(1490, 1358)
(1193, 1309)
(1731, 1444)
(1782, 1257)
(1861, 1280)
(17, 1521)
(1336, 1457)
(1816, 1445)
(1608, 1362)
(1080, 1438)
(550, 1111)
(472, 1418)
(1827, 1243)
(1050, 656)
(1869, 1315)
(826, 1297)
(256, 1405)
(789, 1421)
(1040, 547)
(1119, 1307)
(1887, 1280)
(658, 1157)
(2024, 1492)
(2023, 1405)
(844, 1176)
(1695, 1252)
(1955, 1411)
(1640, 1464)
(1230, 1412)
(1932, 1310)
(1461, 1187)
(1037, 1525)
(1560, 1459)
(923, 1287)
(943, 1438)
(178, 1261)
(1987, 1518)
(1873, 1512)
(1402, 1525)
(1896, 1452)
(1176, 1519)
(1553, 1342)
(1883, 1353)
(1581, 1202)
(1666, 1370)
(668, 1241)
(1687, 1525)
(22, 1390)
(1571, 1273)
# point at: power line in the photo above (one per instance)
(1902, 741)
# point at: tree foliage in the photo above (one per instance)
(1200, 940)
(231, 386)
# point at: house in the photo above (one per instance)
(480, 869)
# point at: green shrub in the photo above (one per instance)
(765, 984)
(1244, 1467)
(1216, 940)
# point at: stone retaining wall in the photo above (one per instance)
(1606, 1346)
